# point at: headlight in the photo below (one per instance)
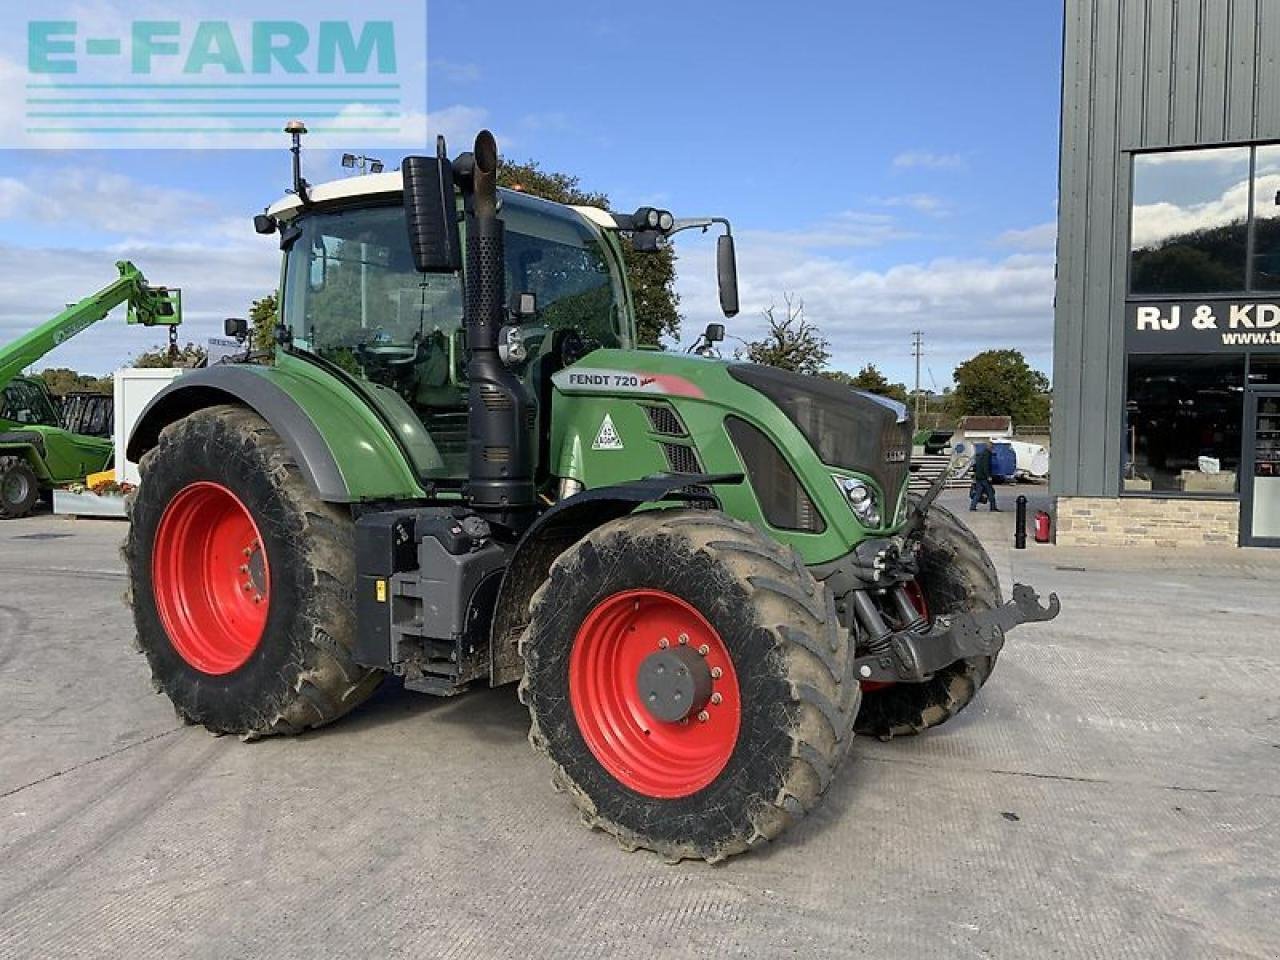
(862, 500)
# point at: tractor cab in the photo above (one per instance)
(353, 297)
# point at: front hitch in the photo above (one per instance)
(913, 655)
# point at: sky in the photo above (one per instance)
(892, 165)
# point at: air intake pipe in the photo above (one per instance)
(502, 413)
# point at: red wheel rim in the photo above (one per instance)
(650, 756)
(916, 595)
(211, 579)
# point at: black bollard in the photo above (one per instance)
(1020, 525)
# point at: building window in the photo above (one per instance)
(1182, 424)
(1266, 218)
(1190, 226)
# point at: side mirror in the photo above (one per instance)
(714, 333)
(236, 327)
(264, 224)
(430, 213)
(727, 275)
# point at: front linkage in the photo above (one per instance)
(917, 648)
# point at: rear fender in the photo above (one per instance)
(344, 450)
(28, 446)
(554, 532)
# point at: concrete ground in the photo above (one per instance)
(1112, 793)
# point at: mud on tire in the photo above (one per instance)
(955, 574)
(301, 673)
(792, 661)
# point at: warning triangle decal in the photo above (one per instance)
(607, 438)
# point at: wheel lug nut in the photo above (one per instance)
(257, 598)
(664, 643)
(683, 638)
(244, 568)
(703, 716)
(248, 587)
(716, 698)
(704, 649)
(716, 673)
(248, 552)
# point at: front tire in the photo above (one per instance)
(956, 574)
(241, 581)
(755, 748)
(19, 488)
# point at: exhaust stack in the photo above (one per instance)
(502, 413)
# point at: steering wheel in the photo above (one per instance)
(389, 354)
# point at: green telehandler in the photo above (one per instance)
(37, 451)
(457, 468)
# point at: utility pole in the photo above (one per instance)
(917, 350)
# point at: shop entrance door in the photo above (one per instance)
(1260, 487)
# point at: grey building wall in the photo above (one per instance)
(1137, 74)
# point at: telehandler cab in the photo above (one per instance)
(704, 574)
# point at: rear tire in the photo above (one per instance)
(956, 574)
(697, 789)
(19, 488)
(219, 477)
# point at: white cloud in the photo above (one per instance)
(929, 160)
(926, 203)
(962, 305)
(1043, 236)
(98, 199)
(1155, 222)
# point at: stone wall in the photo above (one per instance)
(1136, 521)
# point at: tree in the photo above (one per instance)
(1000, 383)
(63, 380)
(652, 275)
(190, 355)
(791, 342)
(262, 322)
(870, 379)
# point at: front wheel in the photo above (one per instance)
(19, 488)
(242, 581)
(690, 682)
(956, 575)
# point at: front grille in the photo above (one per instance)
(681, 458)
(495, 401)
(665, 422)
(783, 499)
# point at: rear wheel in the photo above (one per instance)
(19, 488)
(242, 581)
(956, 574)
(690, 681)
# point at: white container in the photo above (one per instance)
(66, 503)
(134, 388)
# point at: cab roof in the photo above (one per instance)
(390, 183)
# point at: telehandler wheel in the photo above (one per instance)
(955, 574)
(690, 681)
(19, 488)
(242, 581)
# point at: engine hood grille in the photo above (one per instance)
(848, 429)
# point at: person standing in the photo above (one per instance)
(982, 479)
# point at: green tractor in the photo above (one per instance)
(39, 446)
(461, 469)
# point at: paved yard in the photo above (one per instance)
(1115, 792)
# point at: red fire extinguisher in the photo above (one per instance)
(1042, 527)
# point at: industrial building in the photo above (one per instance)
(1166, 422)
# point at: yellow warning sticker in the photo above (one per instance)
(382, 591)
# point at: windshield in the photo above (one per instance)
(352, 294)
(24, 402)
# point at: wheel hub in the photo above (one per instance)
(654, 693)
(674, 683)
(211, 577)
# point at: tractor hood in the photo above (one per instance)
(847, 428)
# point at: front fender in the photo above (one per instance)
(554, 532)
(344, 450)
